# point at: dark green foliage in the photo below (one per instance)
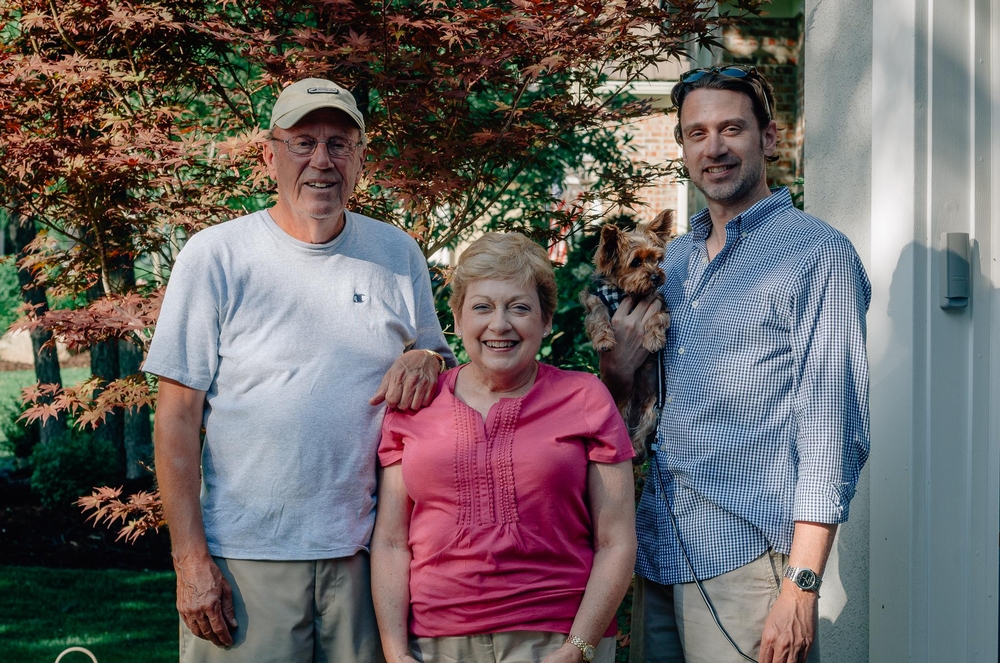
(798, 190)
(20, 439)
(10, 294)
(624, 621)
(69, 466)
(568, 346)
(442, 291)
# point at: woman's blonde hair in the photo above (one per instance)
(505, 257)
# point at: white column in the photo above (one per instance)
(838, 188)
(891, 328)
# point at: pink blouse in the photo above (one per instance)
(500, 532)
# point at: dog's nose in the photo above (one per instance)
(657, 279)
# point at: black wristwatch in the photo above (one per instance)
(805, 579)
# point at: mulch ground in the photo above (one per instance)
(31, 535)
(79, 360)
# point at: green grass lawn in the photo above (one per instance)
(121, 616)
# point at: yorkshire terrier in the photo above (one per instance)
(628, 263)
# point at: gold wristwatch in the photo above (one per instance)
(588, 649)
(442, 364)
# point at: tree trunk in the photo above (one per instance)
(138, 431)
(129, 431)
(46, 358)
(104, 365)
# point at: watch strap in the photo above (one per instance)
(585, 647)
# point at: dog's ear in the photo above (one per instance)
(613, 244)
(662, 227)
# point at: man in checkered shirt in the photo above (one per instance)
(764, 428)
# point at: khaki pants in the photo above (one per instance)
(680, 628)
(289, 612)
(506, 647)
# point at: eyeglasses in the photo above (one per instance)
(306, 145)
(731, 71)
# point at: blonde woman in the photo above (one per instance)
(506, 526)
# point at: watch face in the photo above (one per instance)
(589, 652)
(805, 579)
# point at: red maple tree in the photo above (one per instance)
(130, 125)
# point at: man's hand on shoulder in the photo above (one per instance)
(790, 629)
(205, 600)
(410, 382)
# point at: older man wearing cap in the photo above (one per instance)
(281, 333)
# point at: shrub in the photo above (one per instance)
(21, 438)
(69, 465)
(10, 294)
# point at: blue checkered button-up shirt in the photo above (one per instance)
(766, 415)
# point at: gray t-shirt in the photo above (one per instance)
(290, 340)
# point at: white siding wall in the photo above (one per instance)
(925, 93)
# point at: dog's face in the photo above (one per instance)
(631, 260)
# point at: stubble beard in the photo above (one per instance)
(752, 172)
(735, 190)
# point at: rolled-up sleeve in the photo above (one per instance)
(831, 381)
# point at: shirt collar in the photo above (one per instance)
(750, 219)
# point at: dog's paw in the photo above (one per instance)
(598, 323)
(604, 340)
(655, 336)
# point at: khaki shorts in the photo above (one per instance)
(505, 647)
(676, 617)
(315, 611)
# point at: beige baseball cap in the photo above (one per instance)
(309, 94)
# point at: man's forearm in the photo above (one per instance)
(178, 478)
(790, 629)
(204, 596)
(811, 545)
(177, 444)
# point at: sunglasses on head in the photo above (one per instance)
(731, 71)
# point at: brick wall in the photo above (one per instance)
(774, 46)
(653, 142)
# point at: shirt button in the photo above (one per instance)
(680, 351)
(743, 235)
(694, 304)
(704, 259)
(670, 399)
